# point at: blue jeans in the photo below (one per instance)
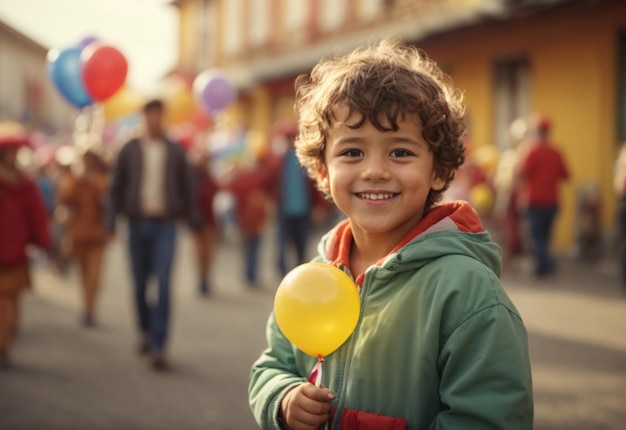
(292, 230)
(540, 221)
(151, 243)
(251, 250)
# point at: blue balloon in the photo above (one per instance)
(64, 68)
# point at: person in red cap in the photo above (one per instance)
(23, 221)
(542, 170)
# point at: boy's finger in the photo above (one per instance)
(317, 393)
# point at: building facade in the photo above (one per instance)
(26, 91)
(563, 58)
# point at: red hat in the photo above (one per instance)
(13, 134)
(542, 123)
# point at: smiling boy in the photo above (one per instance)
(438, 344)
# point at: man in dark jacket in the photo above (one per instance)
(153, 186)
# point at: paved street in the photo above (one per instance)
(67, 377)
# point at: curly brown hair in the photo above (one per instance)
(382, 83)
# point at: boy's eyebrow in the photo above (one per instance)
(394, 139)
(349, 139)
(407, 139)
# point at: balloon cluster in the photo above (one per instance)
(90, 71)
(91, 76)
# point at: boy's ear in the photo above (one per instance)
(322, 173)
(437, 183)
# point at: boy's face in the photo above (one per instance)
(380, 180)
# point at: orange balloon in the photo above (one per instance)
(317, 308)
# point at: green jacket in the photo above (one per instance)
(438, 345)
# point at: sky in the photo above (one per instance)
(145, 31)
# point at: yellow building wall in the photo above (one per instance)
(572, 57)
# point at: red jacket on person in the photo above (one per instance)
(542, 170)
(23, 221)
(251, 189)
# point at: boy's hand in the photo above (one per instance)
(306, 407)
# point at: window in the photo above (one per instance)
(233, 23)
(204, 57)
(296, 15)
(333, 13)
(370, 9)
(259, 23)
(512, 97)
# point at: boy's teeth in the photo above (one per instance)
(382, 196)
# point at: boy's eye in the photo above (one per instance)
(352, 153)
(396, 153)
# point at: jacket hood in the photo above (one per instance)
(448, 229)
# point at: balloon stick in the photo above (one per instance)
(315, 377)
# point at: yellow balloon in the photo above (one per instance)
(481, 198)
(124, 102)
(180, 107)
(317, 308)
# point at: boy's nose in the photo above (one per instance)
(376, 169)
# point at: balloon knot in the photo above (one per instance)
(320, 358)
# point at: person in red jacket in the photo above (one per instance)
(542, 170)
(251, 188)
(23, 220)
(205, 238)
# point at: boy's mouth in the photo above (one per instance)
(376, 196)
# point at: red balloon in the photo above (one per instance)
(103, 69)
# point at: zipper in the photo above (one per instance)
(347, 356)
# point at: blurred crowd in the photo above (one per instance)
(66, 200)
(60, 205)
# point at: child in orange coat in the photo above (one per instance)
(84, 195)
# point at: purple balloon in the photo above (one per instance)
(86, 41)
(213, 90)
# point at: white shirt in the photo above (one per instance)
(153, 179)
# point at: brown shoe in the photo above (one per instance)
(143, 347)
(159, 363)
